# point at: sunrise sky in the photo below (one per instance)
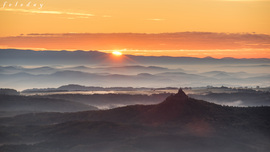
(243, 21)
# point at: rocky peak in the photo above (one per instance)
(176, 99)
(181, 95)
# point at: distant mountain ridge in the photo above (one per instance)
(76, 87)
(30, 57)
(25, 80)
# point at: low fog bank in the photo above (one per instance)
(135, 76)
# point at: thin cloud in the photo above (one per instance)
(156, 19)
(47, 12)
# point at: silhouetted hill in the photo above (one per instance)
(13, 104)
(178, 123)
(180, 108)
(5, 91)
(108, 101)
(176, 108)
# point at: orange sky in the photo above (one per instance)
(194, 44)
(134, 16)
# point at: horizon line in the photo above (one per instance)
(106, 52)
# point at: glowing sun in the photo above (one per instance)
(117, 53)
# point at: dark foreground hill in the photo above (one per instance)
(178, 124)
(14, 104)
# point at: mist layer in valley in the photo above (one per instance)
(75, 98)
(127, 79)
(23, 69)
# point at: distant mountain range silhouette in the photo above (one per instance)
(30, 57)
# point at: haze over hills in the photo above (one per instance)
(25, 80)
(111, 97)
(130, 69)
(125, 76)
(179, 122)
(41, 69)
